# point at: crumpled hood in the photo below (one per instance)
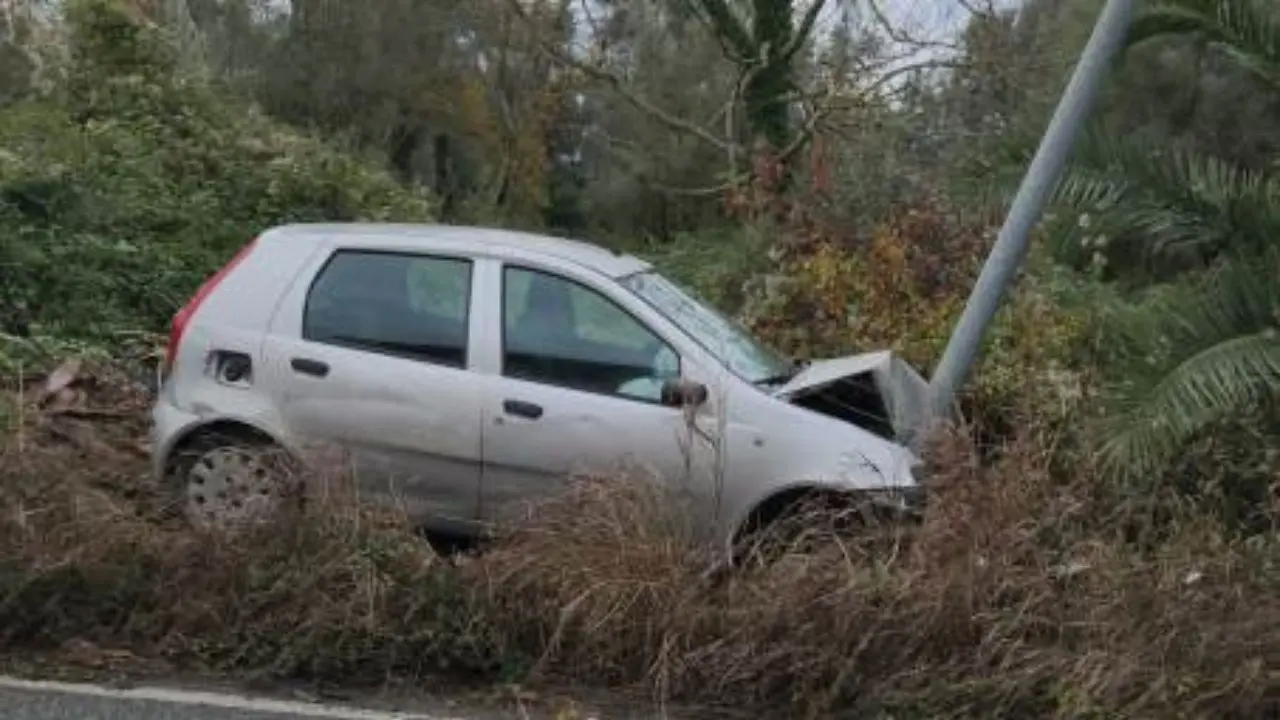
(903, 389)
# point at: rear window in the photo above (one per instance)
(406, 305)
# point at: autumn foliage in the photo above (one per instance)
(901, 283)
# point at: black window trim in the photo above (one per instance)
(502, 334)
(411, 254)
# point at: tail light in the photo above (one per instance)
(178, 325)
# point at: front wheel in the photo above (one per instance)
(803, 523)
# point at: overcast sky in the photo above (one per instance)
(924, 19)
(936, 19)
(933, 20)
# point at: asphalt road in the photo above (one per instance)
(35, 700)
(22, 699)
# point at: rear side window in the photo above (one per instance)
(411, 306)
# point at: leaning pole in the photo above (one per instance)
(1028, 205)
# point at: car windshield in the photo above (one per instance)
(728, 341)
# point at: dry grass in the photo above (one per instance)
(338, 592)
(1020, 594)
(1014, 598)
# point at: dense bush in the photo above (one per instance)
(124, 187)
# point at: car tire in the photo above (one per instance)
(764, 545)
(229, 484)
(804, 523)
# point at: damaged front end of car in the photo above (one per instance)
(878, 392)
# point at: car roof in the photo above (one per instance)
(492, 240)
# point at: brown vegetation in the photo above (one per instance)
(1021, 594)
(1034, 586)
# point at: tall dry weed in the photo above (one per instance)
(1016, 596)
(1021, 593)
(338, 591)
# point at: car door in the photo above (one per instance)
(578, 390)
(372, 357)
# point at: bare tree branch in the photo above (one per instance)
(821, 106)
(900, 36)
(619, 86)
(805, 29)
(730, 53)
(821, 109)
(618, 150)
(973, 9)
(891, 75)
(726, 24)
(591, 17)
(818, 105)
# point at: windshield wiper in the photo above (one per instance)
(776, 379)
(784, 377)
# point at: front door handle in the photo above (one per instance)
(307, 366)
(522, 409)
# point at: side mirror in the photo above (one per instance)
(678, 392)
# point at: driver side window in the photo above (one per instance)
(560, 332)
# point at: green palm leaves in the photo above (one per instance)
(1248, 31)
(1213, 344)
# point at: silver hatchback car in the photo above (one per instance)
(464, 371)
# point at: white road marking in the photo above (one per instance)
(211, 699)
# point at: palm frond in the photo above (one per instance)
(1171, 204)
(1228, 378)
(1248, 31)
(1223, 348)
(1253, 40)
(1175, 17)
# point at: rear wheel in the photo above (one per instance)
(229, 483)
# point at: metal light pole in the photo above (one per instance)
(1042, 177)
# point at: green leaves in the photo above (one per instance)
(1210, 345)
(1216, 355)
(1160, 210)
(1248, 31)
(1156, 210)
(116, 201)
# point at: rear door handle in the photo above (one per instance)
(522, 409)
(307, 366)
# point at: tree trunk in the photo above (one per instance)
(766, 51)
(405, 140)
(442, 182)
(767, 109)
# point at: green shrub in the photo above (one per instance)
(122, 191)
